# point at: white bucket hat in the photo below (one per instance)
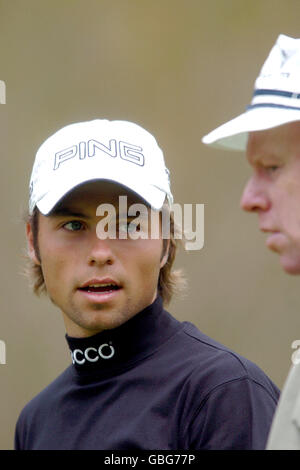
(276, 98)
(118, 151)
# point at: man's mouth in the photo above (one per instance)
(100, 288)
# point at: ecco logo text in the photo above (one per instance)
(105, 351)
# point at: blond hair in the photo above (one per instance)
(170, 281)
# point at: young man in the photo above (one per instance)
(269, 131)
(139, 378)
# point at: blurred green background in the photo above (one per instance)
(179, 68)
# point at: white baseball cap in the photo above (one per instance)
(118, 151)
(275, 101)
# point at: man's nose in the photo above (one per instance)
(254, 197)
(101, 252)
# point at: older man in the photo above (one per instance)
(269, 132)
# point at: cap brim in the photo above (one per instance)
(154, 196)
(233, 134)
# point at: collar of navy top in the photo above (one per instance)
(136, 338)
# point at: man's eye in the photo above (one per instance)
(128, 227)
(73, 226)
(270, 168)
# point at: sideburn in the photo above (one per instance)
(34, 222)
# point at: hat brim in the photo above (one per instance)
(233, 135)
(154, 196)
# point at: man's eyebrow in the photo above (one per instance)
(68, 212)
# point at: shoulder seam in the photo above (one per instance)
(222, 384)
(220, 348)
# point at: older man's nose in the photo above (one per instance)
(254, 197)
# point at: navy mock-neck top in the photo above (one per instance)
(152, 383)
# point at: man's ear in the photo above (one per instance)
(30, 244)
(165, 253)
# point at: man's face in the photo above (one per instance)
(273, 191)
(79, 267)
